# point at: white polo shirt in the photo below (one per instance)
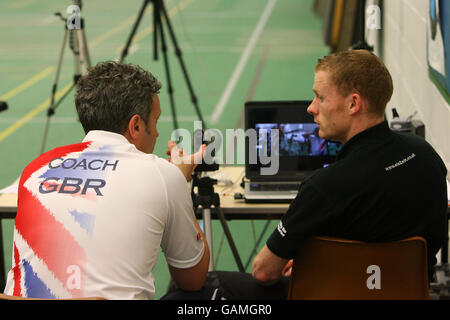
(91, 218)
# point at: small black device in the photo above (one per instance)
(198, 141)
(3, 106)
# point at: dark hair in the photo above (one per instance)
(111, 93)
(360, 71)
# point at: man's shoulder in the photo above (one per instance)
(412, 140)
(421, 147)
(169, 171)
(149, 164)
(63, 151)
(331, 176)
(335, 169)
(57, 152)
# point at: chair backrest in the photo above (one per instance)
(8, 297)
(339, 269)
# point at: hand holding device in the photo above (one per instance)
(185, 162)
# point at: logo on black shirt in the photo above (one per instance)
(281, 229)
(401, 162)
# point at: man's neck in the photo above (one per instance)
(360, 125)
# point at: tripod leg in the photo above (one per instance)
(180, 59)
(156, 23)
(167, 69)
(58, 69)
(85, 59)
(208, 234)
(51, 109)
(75, 46)
(133, 31)
(230, 240)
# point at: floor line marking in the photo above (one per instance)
(41, 75)
(221, 105)
(33, 113)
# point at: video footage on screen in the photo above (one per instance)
(295, 140)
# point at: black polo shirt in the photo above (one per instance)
(384, 186)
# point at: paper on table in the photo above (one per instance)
(13, 188)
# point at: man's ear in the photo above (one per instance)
(355, 103)
(134, 127)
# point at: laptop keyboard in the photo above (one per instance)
(274, 187)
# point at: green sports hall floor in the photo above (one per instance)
(234, 50)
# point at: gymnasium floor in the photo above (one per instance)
(234, 51)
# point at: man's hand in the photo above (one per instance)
(268, 267)
(185, 162)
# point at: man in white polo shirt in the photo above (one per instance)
(93, 215)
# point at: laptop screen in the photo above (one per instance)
(295, 140)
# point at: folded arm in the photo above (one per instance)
(268, 267)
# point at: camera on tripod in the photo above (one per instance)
(204, 184)
(206, 198)
(3, 106)
(75, 38)
(199, 139)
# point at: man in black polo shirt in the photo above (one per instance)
(384, 186)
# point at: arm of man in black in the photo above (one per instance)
(309, 213)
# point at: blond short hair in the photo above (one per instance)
(360, 71)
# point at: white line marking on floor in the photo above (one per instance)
(220, 107)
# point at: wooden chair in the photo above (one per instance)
(8, 297)
(330, 268)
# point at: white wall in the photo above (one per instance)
(404, 53)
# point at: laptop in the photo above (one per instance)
(288, 150)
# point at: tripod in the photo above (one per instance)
(158, 10)
(206, 198)
(78, 45)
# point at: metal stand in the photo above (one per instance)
(82, 62)
(206, 198)
(158, 10)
